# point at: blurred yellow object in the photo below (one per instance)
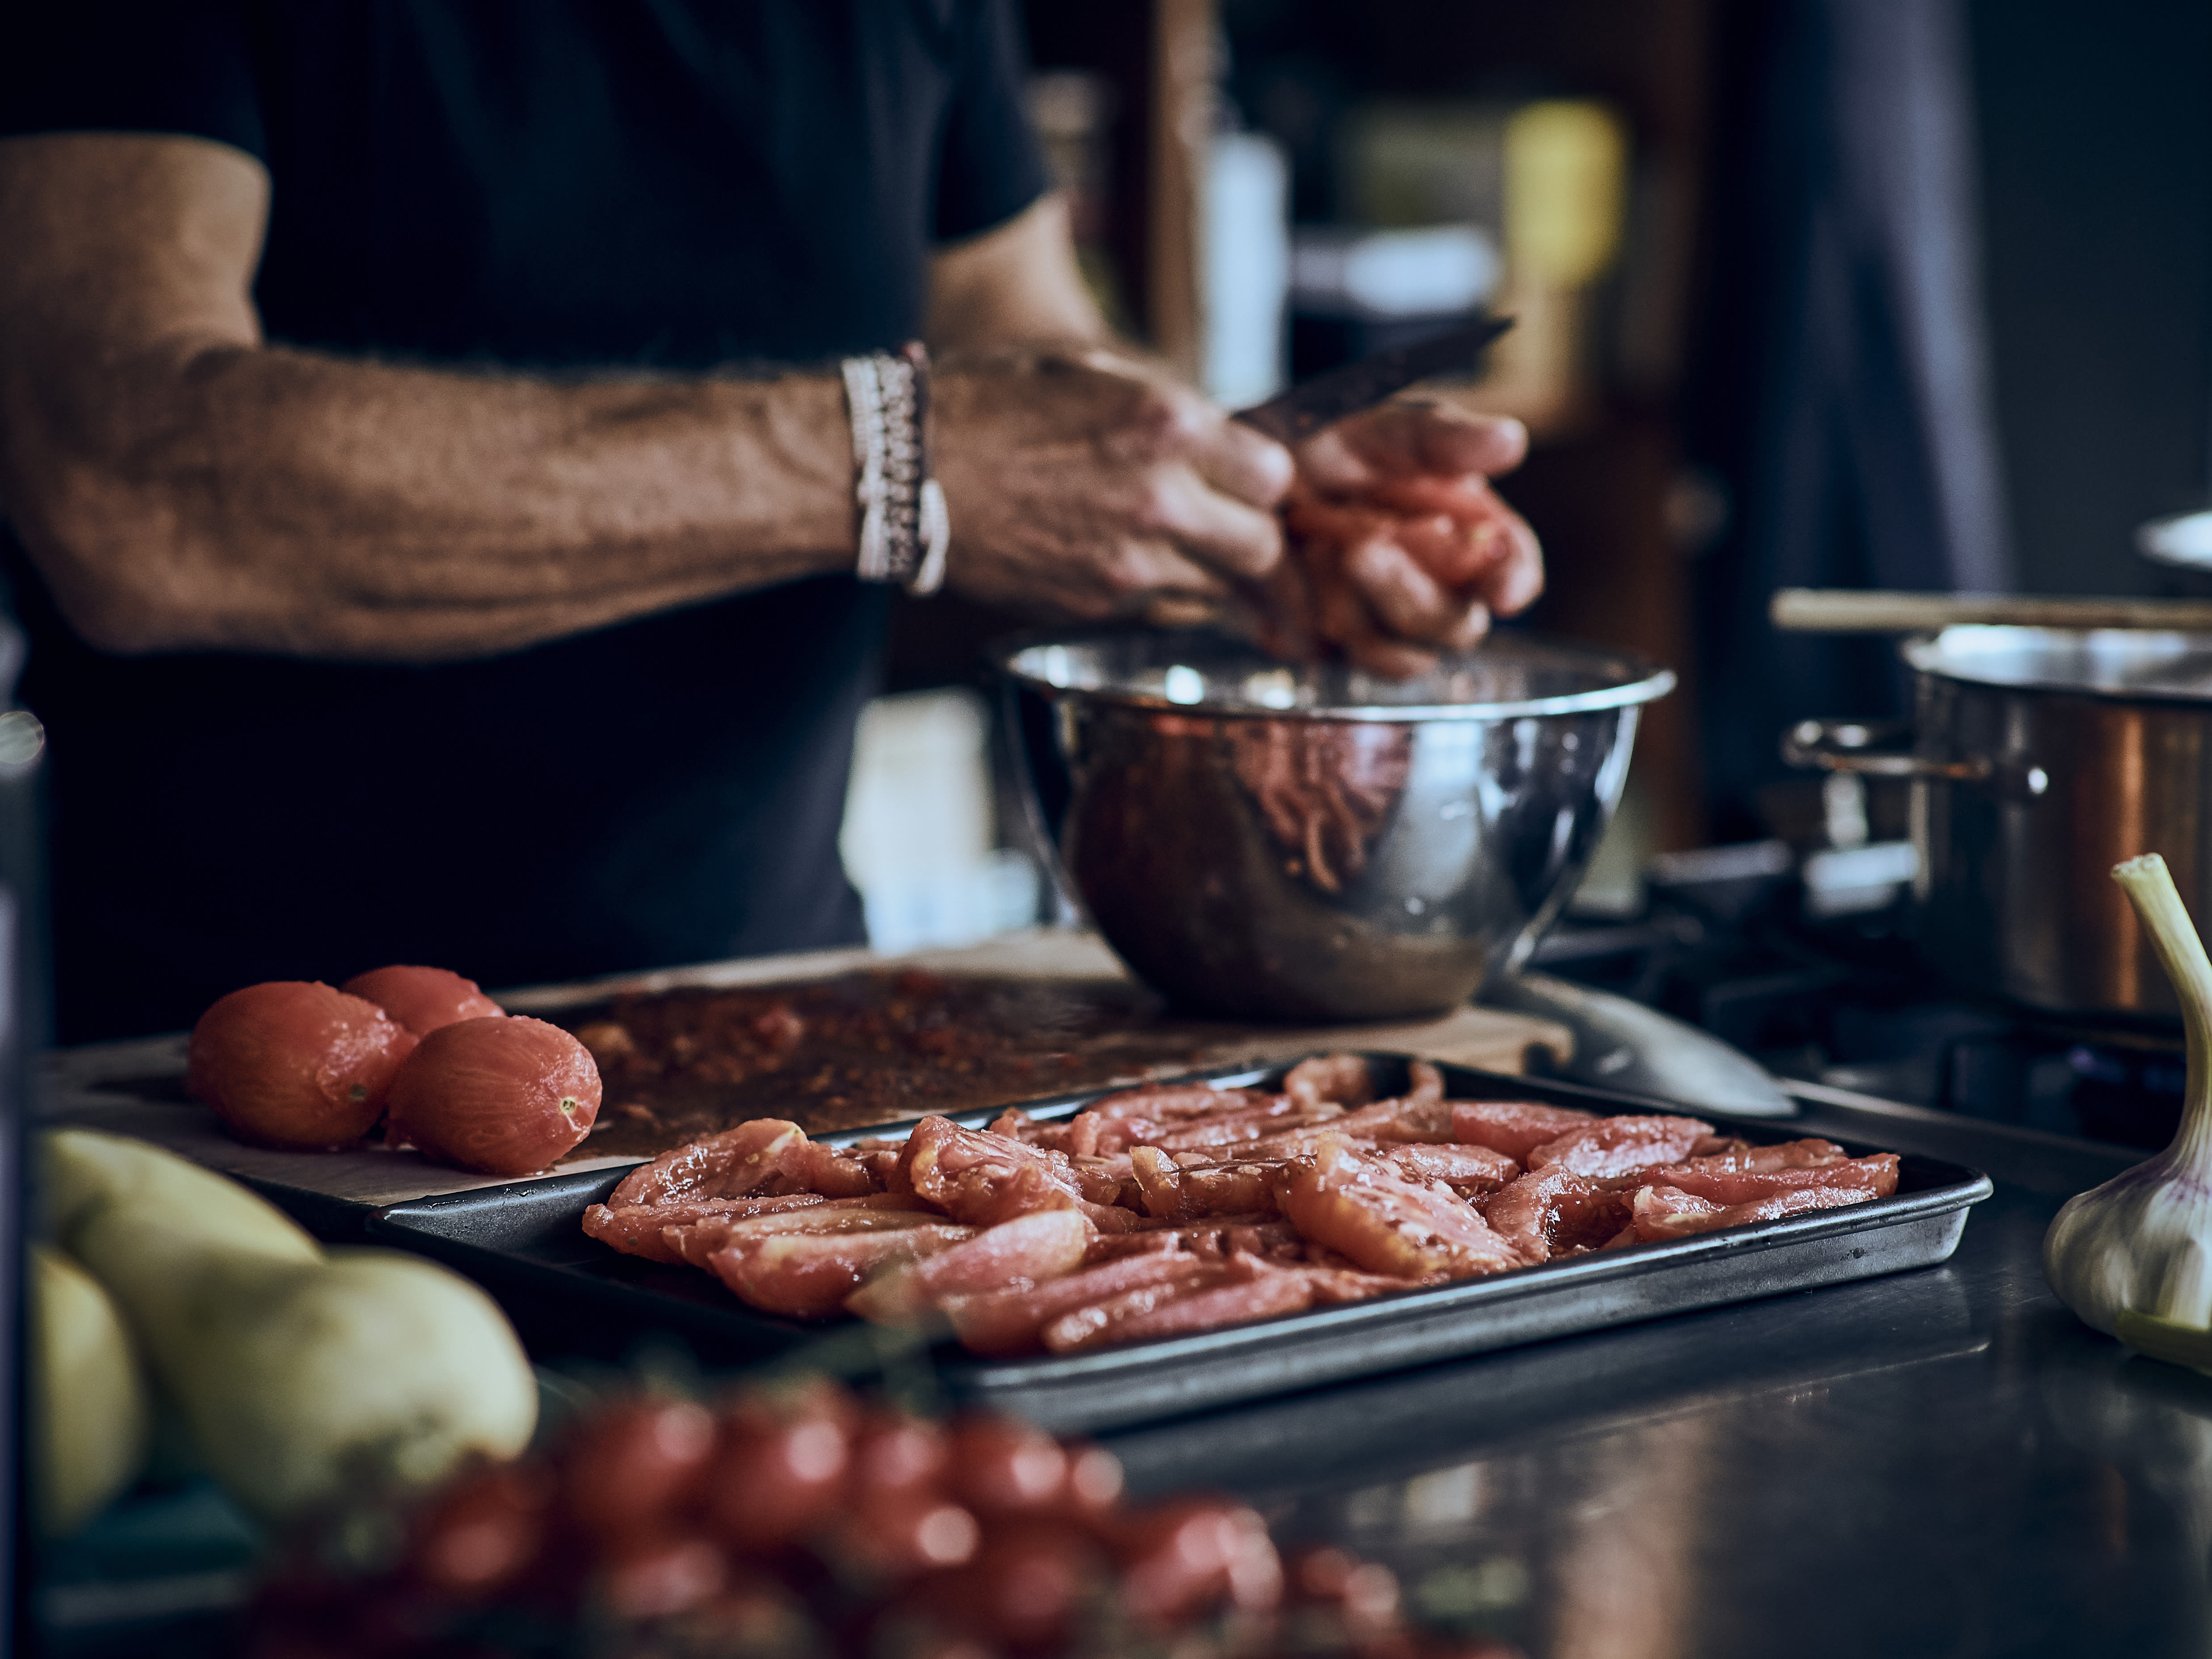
(1567, 164)
(90, 1412)
(1406, 164)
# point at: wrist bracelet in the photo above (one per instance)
(904, 531)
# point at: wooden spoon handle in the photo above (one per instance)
(1851, 611)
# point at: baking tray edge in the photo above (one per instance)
(1116, 1387)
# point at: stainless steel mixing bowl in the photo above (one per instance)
(1316, 843)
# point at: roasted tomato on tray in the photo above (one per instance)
(421, 1051)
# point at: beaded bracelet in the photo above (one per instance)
(904, 531)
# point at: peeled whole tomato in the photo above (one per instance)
(296, 1064)
(501, 1095)
(423, 999)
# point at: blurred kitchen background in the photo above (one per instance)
(1909, 294)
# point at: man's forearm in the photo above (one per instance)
(183, 486)
(263, 499)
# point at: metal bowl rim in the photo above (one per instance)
(1650, 683)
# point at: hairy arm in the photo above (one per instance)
(182, 485)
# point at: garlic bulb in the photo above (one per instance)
(2142, 1242)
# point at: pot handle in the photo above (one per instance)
(1883, 749)
(1874, 749)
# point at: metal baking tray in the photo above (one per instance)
(526, 1243)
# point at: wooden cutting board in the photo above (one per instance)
(136, 1087)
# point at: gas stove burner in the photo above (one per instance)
(1727, 943)
(2132, 1095)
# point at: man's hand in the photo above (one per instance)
(1084, 483)
(1400, 547)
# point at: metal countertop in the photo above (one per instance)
(1944, 1461)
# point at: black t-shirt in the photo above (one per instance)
(532, 184)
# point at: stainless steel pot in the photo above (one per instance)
(1318, 843)
(2040, 757)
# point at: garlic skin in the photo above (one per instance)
(2143, 1240)
(2136, 1242)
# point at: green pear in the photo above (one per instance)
(306, 1379)
(90, 1412)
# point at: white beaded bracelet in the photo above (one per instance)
(904, 530)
